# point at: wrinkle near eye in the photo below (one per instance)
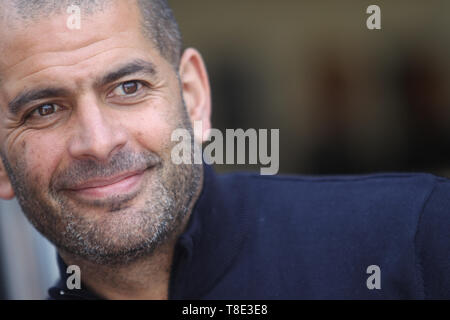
(14, 134)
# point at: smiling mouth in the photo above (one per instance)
(122, 185)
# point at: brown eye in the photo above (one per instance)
(46, 110)
(128, 88)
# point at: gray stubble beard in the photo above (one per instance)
(175, 188)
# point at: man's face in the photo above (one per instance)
(85, 126)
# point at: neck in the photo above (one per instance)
(145, 279)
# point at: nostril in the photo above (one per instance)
(98, 143)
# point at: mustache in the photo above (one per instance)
(88, 169)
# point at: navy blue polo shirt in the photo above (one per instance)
(296, 237)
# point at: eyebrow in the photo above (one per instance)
(27, 96)
(136, 66)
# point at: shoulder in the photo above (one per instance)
(389, 190)
(321, 233)
(289, 181)
(432, 242)
(381, 208)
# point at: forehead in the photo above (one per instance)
(31, 49)
(24, 38)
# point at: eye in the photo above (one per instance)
(128, 88)
(45, 110)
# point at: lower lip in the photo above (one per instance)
(123, 187)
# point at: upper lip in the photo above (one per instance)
(103, 182)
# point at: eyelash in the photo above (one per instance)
(141, 84)
(30, 114)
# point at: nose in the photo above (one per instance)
(98, 132)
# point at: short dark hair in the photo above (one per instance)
(158, 23)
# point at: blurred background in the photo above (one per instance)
(347, 100)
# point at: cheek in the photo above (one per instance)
(153, 134)
(154, 131)
(38, 158)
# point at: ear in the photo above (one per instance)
(6, 190)
(196, 90)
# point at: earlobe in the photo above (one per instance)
(6, 190)
(196, 88)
